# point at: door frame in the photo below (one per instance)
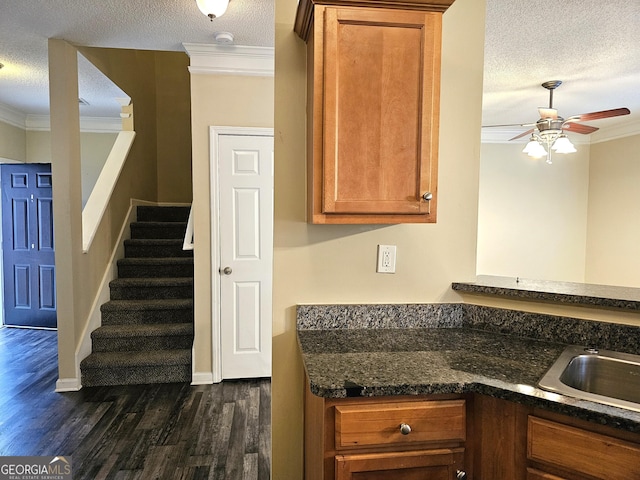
(214, 135)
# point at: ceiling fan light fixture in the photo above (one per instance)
(213, 8)
(534, 149)
(563, 145)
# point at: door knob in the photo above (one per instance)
(226, 270)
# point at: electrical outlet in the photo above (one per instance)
(386, 259)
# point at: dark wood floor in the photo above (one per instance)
(172, 431)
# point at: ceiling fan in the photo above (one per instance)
(550, 129)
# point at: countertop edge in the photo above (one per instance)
(605, 296)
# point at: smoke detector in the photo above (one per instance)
(224, 38)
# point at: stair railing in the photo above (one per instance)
(187, 244)
(100, 195)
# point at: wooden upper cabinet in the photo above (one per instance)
(373, 85)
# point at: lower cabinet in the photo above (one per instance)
(400, 438)
(578, 453)
(512, 441)
(440, 464)
(440, 437)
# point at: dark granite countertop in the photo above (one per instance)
(605, 296)
(415, 361)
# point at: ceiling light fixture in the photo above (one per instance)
(549, 135)
(213, 8)
(548, 131)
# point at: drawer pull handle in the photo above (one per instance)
(405, 429)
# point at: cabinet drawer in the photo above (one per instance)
(582, 451)
(533, 474)
(440, 464)
(379, 424)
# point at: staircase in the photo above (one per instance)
(147, 326)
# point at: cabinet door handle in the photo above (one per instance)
(426, 196)
(405, 429)
(461, 475)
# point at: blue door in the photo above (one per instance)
(27, 245)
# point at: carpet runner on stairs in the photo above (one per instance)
(147, 327)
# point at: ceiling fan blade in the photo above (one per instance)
(548, 113)
(615, 112)
(579, 128)
(522, 134)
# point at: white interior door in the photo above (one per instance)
(245, 255)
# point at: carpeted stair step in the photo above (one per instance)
(151, 288)
(131, 312)
(155, 247)
(158, 229)
(147, 327)
(149, 337)
(136, 368)
(155, 267)
(152, 213)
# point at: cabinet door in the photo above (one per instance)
(582, 452)
(381, 110)
(413, 465)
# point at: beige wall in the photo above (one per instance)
(94, 149)
(158, 83)
(336, 264)
(217, 100)
(613, 240)
(39, 146)
(13, 143)
(174, 128)
(532, 216)
(575, 220)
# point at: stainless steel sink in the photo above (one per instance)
(602, 376)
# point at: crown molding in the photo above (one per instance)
(230, 60)
(499, 135)
(12, 116)
(41, 123)
(503, 135)
(615, 132)
(304, 13)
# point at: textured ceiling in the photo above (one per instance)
(25, 26)
(592, 46)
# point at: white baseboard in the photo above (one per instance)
(201, 378)
(68, 385)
